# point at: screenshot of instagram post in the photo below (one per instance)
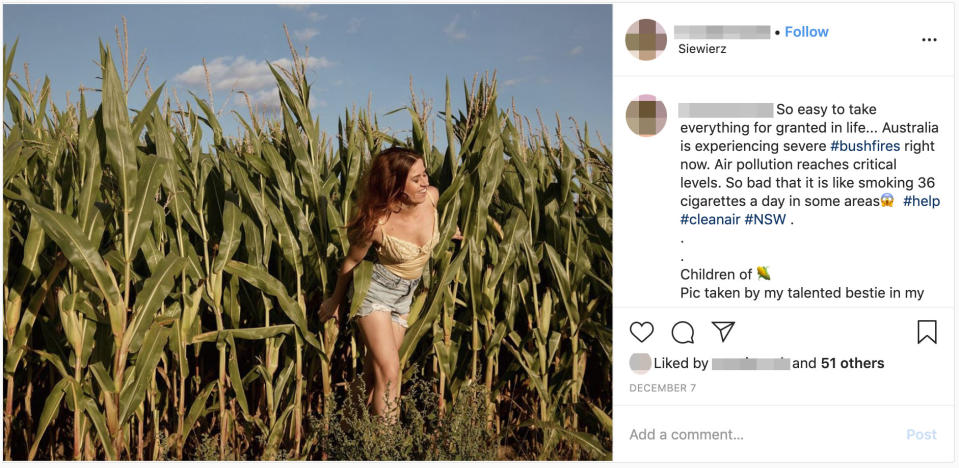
(785, 250)
(305, 231)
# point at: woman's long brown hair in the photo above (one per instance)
(382, 188)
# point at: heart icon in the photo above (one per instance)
(641, 330)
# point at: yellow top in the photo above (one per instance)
(406, 259)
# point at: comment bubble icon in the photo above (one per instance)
(683, 332)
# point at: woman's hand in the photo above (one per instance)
(459, 235)
(329, 308)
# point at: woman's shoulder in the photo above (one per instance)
(434, 194)
(376, 236)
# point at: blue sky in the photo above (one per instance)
(556, 58)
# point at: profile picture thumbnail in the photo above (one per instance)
(645, 115)
(646, 39)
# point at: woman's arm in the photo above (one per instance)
(331, 306)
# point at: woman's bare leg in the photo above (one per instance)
(368, 373)
(398, 332)
(377, 329)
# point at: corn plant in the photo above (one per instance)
(160, 293)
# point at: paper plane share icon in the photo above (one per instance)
(724, 329)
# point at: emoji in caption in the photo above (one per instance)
(886, 200)
(763, 272)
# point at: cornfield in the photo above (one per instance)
(160, 296)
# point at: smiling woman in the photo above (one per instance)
(392, 208)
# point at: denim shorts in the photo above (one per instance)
(388, 293)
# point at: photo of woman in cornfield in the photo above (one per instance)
(393, 198)
(183, 283)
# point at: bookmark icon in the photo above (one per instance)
(927, 330)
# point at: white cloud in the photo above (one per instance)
(529, 58)
(576, 50)
(354, 26)
(312, 63)
(268, 100)
(295, 6)
(452, 32)
(305, 34)
(314, 16)
(512, 82)
(241, 73)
